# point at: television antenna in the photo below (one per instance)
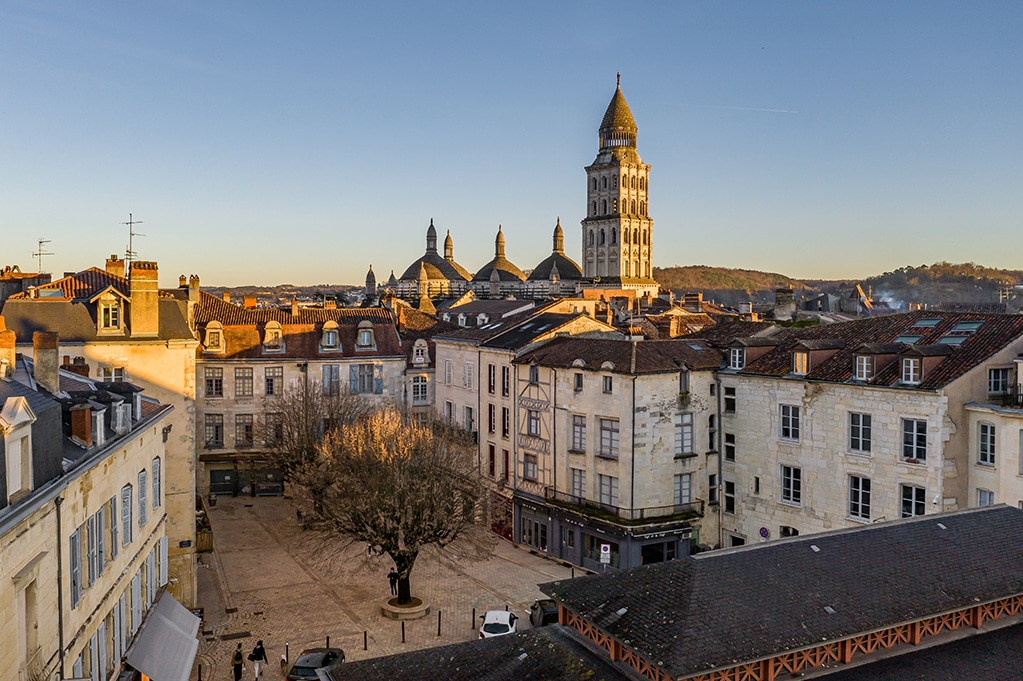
(129, 253)
(39, 253)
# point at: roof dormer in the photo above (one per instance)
(109, 311)
(366, 339)
(213, 337)
(330, 338)
(869, 359)
(273, 337)
(918, 361)
(810, 354)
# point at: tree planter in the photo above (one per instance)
(414, 610)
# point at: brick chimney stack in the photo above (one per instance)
(294, 306)
(193, 299)
(115, 266)
(46, 360)
(182, 281)
(8, 355)
(249, 302)
(81, 424)
(144, 314)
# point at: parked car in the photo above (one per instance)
(543, 611)
(313, 659)
(498, 623)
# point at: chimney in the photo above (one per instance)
(81, 424)
(249, 302)
(226, 296)
(78, 366)
(193, 299)
(8, 356)
(45, 359)
(294, 306)
(329, 304)
(182, 281)
(115, 266)
(144, 314)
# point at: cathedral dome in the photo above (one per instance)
(557, 263)
(433, 265)
(505, 270)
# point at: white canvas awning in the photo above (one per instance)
(164, 648)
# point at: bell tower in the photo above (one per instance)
(617, 230)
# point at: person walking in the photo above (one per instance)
(392, 577)
(237, 662)
(258, 657)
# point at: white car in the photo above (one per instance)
(498, 623)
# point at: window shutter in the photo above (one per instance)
(353, 378)
(136, 602)
(101, 634)
(163, 561)
(91, 530)
(126, 515)
(101, 531)
(76, 568)
(113, 527)
(150, 577)
(378, 379)
(143, 502)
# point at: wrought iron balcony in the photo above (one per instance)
(627, 516)
(1012, 398)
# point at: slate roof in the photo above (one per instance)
(718, 609)
(989, 656)
(726, 331)
(994, 333)
(74, 320)
(628, 357)
(551, 653)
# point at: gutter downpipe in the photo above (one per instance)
(554, 437)
(721, 467)
(59, 501)
(632, 474)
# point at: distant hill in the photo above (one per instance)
(725, 285)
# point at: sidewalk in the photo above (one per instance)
(267, 579)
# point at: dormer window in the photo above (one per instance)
(273, 339)
(911, 370)
(864, 368)
(365, 339)
(110, 315)
(99, 432)
(736, 358)
(331, 339)
(419, 352)
(214, 337)
(16, 420)
(801, 363)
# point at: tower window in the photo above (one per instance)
(642, 207)
(603, 237)
(633, 181)
(625, 236)
(591, 237)
(605, 182)
(633, 206)
(614, 235)
(614, 205)
(614, 181)
(594, 184)
(603, 204)
(594, 203)
(642, 183)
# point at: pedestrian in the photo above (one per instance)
(392, 577)
(237, 662)
(258, 657)
(298, 514)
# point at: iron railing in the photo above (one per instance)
(690, 509)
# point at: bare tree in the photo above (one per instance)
(295, 422)
(398, 487)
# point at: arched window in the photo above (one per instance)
(633, 206)
(331, 339)
(625, 236)
(642, 207)
(594, 203)
(591, 237)
(633, 181)
(646, 239)
(594, 187)
(635, 236)
(614, 205)
(614, 181)
(605, 181)
(642, 183)
(273, 337)
(628, 270)
(365, 337)
(614, 235)
(603, 206)
(603, 238)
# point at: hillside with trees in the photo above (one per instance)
(725, 285)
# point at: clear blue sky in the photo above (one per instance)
(301, 141)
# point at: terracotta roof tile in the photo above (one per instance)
(639, 357)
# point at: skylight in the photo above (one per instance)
(908, 339)
(952, 340)
(695, 346)
(927, 322)
(968, 327)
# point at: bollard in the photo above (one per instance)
(200, 671)
(328, 642)
(365, 640)
(506, 607)
(287, 657)
(472, 625)
(403, 631)
(438, 622)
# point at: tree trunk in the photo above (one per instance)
(403, 562)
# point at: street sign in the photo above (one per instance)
(605, 554)
(765, 533)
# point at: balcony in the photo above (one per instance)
(1012, 399)
(625, 516)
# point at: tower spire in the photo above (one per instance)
(499, 243)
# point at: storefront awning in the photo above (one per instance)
(164, 648)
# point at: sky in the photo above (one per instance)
(273, 142)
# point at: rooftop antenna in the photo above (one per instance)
(129, 253)
(40, 253)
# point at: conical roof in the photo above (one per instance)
(618, 116)
(433, 265)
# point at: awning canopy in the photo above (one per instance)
(164, 648)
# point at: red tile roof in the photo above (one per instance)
(628, 357)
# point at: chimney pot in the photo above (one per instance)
(81, 424)
(45, 358)
(226, 296)
(115, 266)
(182, 281)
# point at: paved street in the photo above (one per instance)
(267, 579)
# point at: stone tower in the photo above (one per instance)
(617, 231)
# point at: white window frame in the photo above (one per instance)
(578, 433)
(533, 422)
(609, 437)
(736, 358)
(859, 497)
(682, 491)
(998, 381)
(986, 444)
(420, 390)
(863, 367)
(985, 497)
(912, 370)
(860, 433)
(608, 486)
(914, 499)
(801, 363)
(578, 482)
(912, 432)
(684, 434)
(788, 422)
(791, 484)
